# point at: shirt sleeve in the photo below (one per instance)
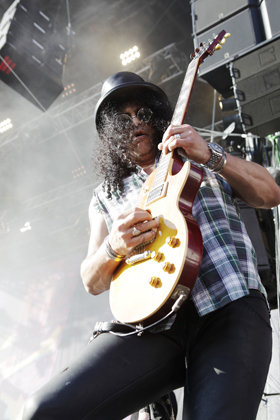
(96, 203)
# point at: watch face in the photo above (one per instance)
(216, 147)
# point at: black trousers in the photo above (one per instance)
(228, 354)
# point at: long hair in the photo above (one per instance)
(111, 158)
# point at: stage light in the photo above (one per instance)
(68, 90)
(5, 125)
(129, 55)
(228, 104)
(26, 227)
(79, 172)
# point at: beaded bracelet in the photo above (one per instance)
(110, 252)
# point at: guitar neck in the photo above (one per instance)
(185, 94)
(184, 97)
(178, 117)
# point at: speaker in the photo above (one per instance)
(270, 10)
(261, 230)
(209, 14)
(257, 76)
(35, 50)
(246, 30)
(260, 59)
(249, 217)
(264, 114)
(259, 85)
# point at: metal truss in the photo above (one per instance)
(163, 65)
(56, 205)
(59, 224)
(52, 123)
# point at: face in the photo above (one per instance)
(143, 149)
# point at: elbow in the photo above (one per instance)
(274, 199)
(86, 279)
(91, 285)
(90, 289)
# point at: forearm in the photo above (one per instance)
(97, 271)
(251, 182)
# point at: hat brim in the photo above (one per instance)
(127, 91)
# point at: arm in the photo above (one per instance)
(251, 182)
(97, 269)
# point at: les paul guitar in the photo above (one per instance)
(146, 285)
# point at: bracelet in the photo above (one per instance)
(110, 252)
(218, 169)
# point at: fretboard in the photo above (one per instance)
(177, 119)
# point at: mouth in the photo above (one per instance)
(138, 135)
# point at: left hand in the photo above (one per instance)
(193, 144)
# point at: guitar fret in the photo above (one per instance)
(177, 119)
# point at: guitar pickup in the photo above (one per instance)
(157, 193)
(139, 257)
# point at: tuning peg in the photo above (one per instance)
(192, 56)
(218, 47)
(227, 35)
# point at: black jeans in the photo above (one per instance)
(228, 355)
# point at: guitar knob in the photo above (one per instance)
(157, 256)
(155, 281)
(172, 241)
(168, 267)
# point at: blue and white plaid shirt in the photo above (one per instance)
(229, 265)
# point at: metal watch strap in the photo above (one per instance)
(215, 157)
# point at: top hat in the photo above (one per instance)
(122, 86)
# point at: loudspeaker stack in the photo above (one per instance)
(33, 53)
(254, 50)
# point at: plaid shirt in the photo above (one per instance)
(229, 265)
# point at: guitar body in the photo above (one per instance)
(133, 298)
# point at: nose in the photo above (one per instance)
(135, 120)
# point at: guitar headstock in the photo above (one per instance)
(208, 48)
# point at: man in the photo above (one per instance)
(219, 344)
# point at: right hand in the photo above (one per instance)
(121, 238)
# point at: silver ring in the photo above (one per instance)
(135, 231)
(177, 136)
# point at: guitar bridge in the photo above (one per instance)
(138, 257)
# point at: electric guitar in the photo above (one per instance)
(149, 281)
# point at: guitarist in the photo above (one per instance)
(219, 345)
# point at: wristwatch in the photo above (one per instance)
(217, 154)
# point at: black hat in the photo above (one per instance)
(125, 85)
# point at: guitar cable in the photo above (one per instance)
(138, 329)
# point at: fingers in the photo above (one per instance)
(175, 136)
(131, 229)
(136, 216)
(185, 137)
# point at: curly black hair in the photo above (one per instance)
(111, 157)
